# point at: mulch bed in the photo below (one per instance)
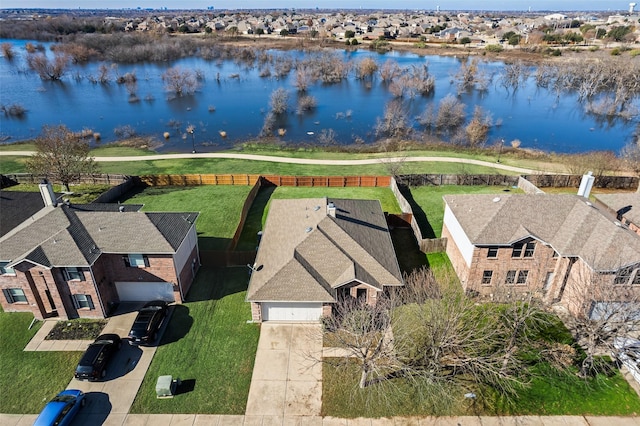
(76, 330)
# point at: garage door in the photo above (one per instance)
(272, 311)
(144, 291)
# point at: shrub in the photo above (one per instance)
(306, 103)
(635, 52)
(493, 48)
(279, 100)
(13, 110)
(354, 42)
(615, 52)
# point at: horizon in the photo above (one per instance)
(451, 5)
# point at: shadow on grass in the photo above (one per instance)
(215, 283)
(253, 224)
(186, 386)
(179, 326)
(409, 255)
(423, 222)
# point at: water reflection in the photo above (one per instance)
(233, 99)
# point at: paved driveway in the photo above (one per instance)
(287, 376)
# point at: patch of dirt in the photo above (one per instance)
(76, 330)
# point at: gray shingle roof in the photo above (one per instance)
(628, 203)
(304, 254)
(568, 223)
(77, 235)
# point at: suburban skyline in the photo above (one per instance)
(488, 5)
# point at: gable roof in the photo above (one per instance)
(568, 223)
(305, 254)
(76, 235)
(16, 207)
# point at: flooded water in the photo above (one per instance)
(233, 100)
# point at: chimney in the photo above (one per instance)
(48, 197)
(331, 209)
(586, 184)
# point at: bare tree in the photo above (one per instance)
(601, 307)
(180, 81)
(279, 101)
(631, 155)
(389, 71)
(48, 69)
(366, 68)
(7, 51)
(478, 128)
(394, 122)
(451, 115)
(61, 156)
(305, 103)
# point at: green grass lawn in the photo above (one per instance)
(208, 344)
(219, 206)
(29, 379)
(431, 206)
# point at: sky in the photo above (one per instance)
(535, 5)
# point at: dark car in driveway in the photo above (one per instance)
(145, 327)
(61, 410)
(93, 364)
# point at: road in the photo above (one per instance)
(310, 161)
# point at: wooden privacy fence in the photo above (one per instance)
(245, 179)
(198, 179)
(329, 181)
(440, 179)
(100, 178)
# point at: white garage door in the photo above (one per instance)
(144, 291)
(278, 311)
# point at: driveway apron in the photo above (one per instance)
(287, 375)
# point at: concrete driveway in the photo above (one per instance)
(287, 375)
(109, 400)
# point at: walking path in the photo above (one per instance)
(309, 161)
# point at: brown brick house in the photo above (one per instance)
(314, 251)
(546, 245)
(75, 261)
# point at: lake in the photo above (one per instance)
(234, 99)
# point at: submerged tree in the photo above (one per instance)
(180, 81)
(61, 155)
(48, 69)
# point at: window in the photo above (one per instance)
(486, 277)
(492, 253)
(530, 247)
(136, 261)
(522, 277)
(511, 277)
(517, 250)
(71, 274)
(636, 279)
(4, 270)
(14, 295)
(548, 280)
(82, 301)
(623, 275)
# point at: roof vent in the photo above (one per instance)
(618, 224)
(316, 208)
(331, 209)
(496, 199)
(308, 229)
(121, 209)
(588, 203)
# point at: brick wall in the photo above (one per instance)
(19, 280)
(160, 269)
(256, 312)
(72, 287)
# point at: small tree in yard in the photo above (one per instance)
(602, 308)
(61, 156)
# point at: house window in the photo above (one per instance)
(522, 277)
(548, 280)
(14, 295)
(530, 247)
(136, 261)
(517, 250)
(486, 277)
(511, 277)
(82, 301)
(636, 279)
(73, 274)
(623, 276)
(4, 270)
(492, 253)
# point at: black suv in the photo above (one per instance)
(93, 364)
(145, 328)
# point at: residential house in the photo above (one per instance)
(71, 261)
(624, 206)
(313, 252)
(545, 245)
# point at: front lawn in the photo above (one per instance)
(219, 206)
(29, 379)
(209, 345)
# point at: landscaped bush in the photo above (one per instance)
(493, 48)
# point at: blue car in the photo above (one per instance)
(61, 410)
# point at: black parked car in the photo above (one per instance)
(93, 364)
(145, 328)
